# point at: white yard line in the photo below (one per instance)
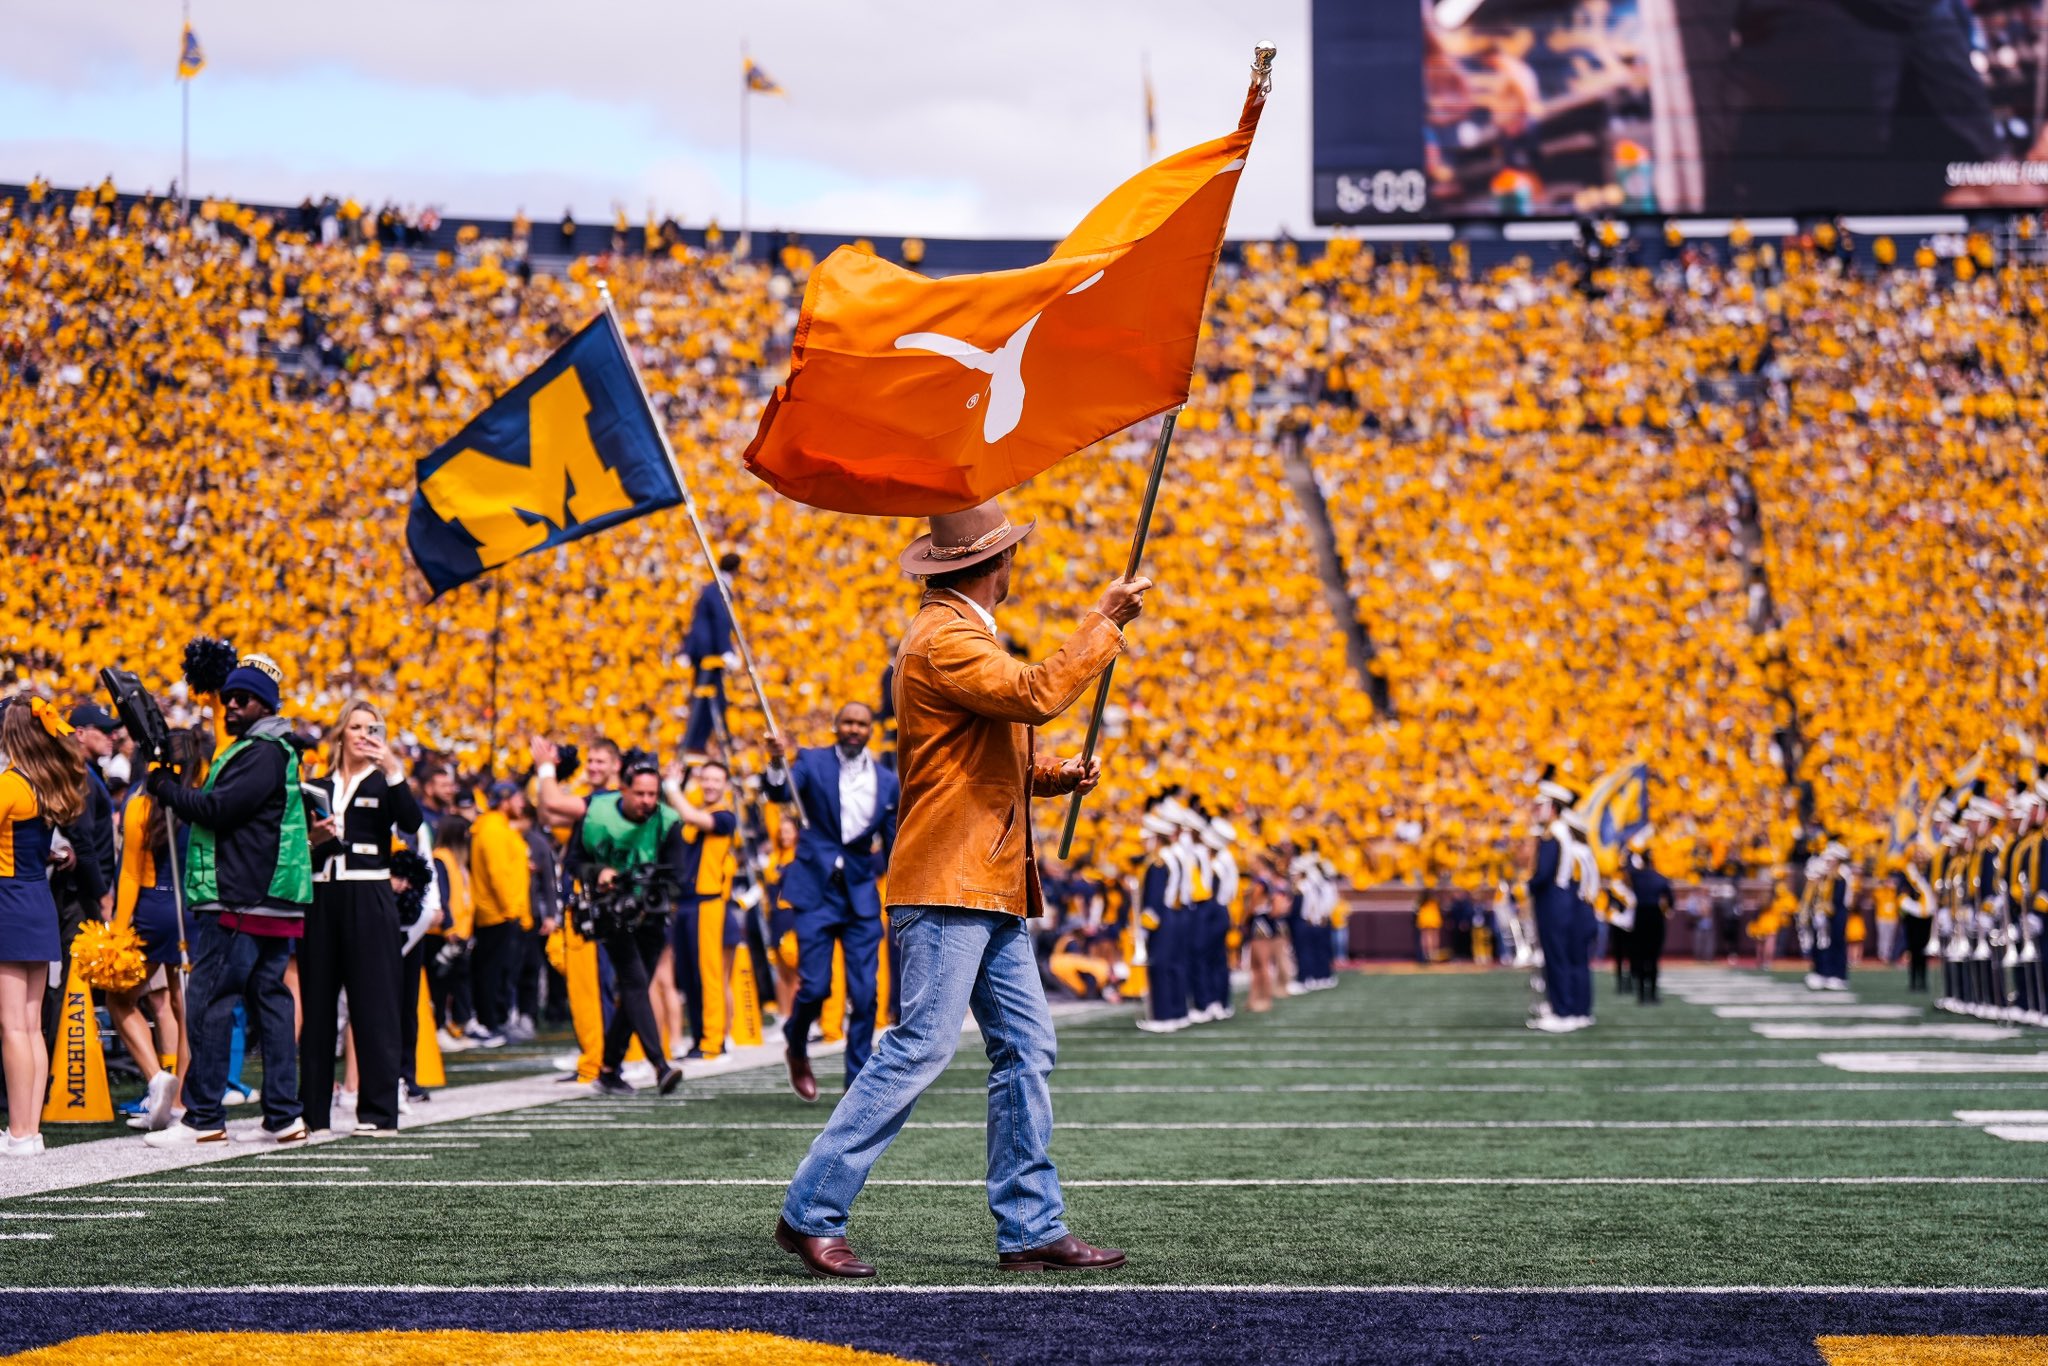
(1032, 1287)
(1817, 1010)
(1204, 1183)
(94, 1214)
(2019, 1133)
(1844, 1033)
(128, 1199)
(1936, 1063)
(296, 1157)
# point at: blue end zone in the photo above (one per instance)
(1541, 1328)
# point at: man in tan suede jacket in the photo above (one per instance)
(962, 883)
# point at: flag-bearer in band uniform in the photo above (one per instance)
(706, 646)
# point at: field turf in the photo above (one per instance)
(1393, 1170)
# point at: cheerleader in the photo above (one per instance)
(42, 784)
(1271, 899)
(146, 903)
(782, 920)
(353, 936)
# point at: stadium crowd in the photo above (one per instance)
(1533, 476)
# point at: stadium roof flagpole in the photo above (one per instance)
(1130, 572)
(739, 635)
(185, 126)
(742, 248)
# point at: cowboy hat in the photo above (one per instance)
(960, 540)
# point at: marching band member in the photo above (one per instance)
(1831, 916)
(1562, 884)
(2026, 868)
(1983, 894)
(1653, 903)
(1164, 925)
(1224, 880)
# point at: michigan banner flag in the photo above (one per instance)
(191, 57)
(1617, 810)
(758, 80)
(572, 449)
(910, 396)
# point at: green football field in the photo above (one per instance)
(1403, 1131)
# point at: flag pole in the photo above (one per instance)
(497, 630)
(739, 635)
(185, 129)
(1130, 572)
(743, 248)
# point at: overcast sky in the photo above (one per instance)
(962, 118)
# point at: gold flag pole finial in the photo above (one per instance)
(1262, 67)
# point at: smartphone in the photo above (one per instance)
(316, 801)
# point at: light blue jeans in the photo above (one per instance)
(954, 961)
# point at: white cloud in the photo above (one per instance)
(972, 118)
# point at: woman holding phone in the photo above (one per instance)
(353, 942)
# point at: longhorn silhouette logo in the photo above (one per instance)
(1004, 366)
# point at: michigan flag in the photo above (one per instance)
(759, 81)
(911, 396)
(1905, 821)
(571, 450)
(1617, 810)
(191, 57)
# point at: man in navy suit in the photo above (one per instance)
(849, 802)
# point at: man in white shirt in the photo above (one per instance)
(849, 804)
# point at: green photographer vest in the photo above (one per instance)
(612, 841)
(292, 881)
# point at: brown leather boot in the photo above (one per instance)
(800, 1079)
(823, 1256)
(1068, 1254)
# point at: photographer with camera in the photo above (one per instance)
(249, 883)
(624, 867)
(353, 940)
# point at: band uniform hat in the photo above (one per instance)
(961, 540)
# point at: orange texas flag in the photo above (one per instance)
(910, 396)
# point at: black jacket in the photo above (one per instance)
(245, 811)
(91, 877)
(376, 810)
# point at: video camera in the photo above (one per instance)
(140, 714)
(634, 897)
